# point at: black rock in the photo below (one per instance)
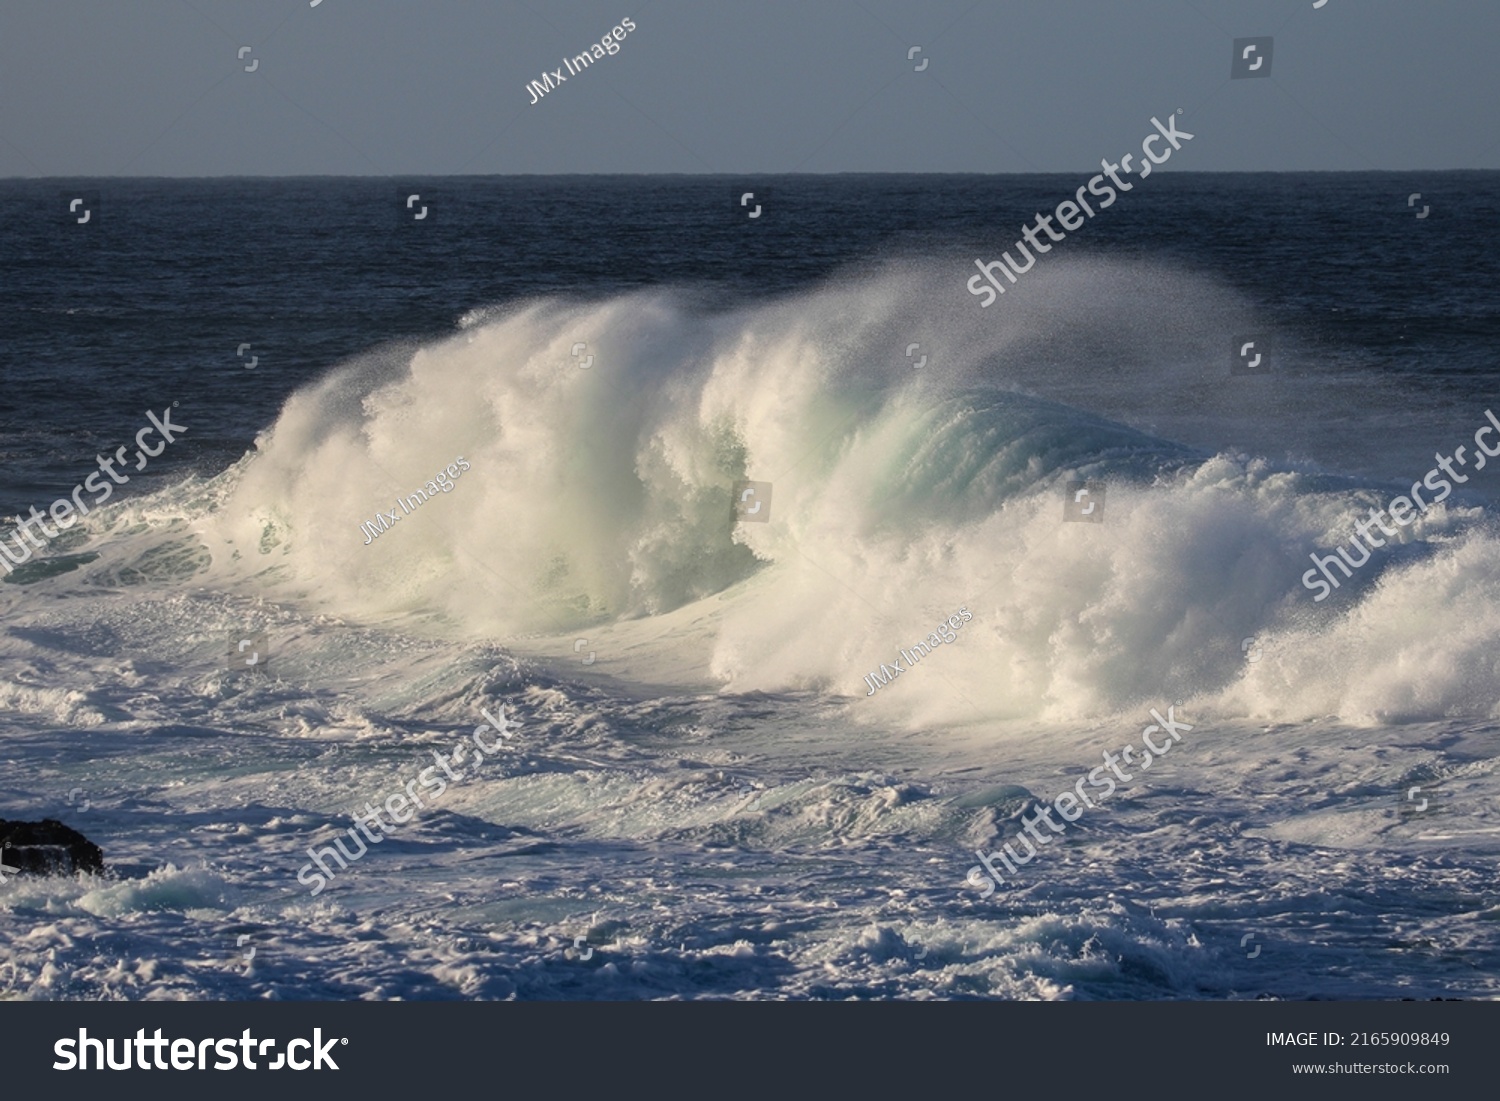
(47, 848)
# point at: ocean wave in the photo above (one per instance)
(918, 460)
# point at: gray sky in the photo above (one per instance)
(354, 87)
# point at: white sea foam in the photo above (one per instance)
(599, 506)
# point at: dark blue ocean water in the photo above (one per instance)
(149, 300)
(720, 787)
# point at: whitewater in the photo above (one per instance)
(702, 797)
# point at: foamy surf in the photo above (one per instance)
(702, 785)
(602, 443)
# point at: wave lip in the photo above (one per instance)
(600, 506)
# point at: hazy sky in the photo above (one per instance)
(386, 87)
